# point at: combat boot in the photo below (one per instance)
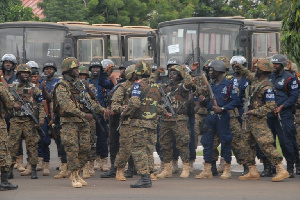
(97, 164)
(75, 182)
(167, 172)
(290, 169)
(251, 175)
(85, 171)
(91, 167)
(226, 173)
(206, 173)
(297, 170)
(11, 172)
(267, 172)
(39, 166)
(161, 168)
(185, 170)
(281, 173)
(191, 166)
(120, 174)
(5, 185)
(153, 177)
(80, 179)
(46, 171)
(144, 182)
(131, 169)
(111, 173)
(19, 163)
(33, 172)
(221, 165)
(63, 173)
(104, 164)
(214, 168)
(175, 166)
(27, 171)
(246, 169)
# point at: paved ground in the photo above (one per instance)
(47, 188)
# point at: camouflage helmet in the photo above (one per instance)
(96, 62)
(50, 63)
(33, 64)
(207, 62)
(173, 61)
(279, 59)
(265, 65)
(83, 70)
(241, 60)
(9, 57)
(218, 65)
(142, 67)
(23, 68)
(129, 71)
(225, 60)
(69, 64)
(175, 68)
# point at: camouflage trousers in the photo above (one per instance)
(75, 137)
(5, 159)
(125, 146)
(199, 122)
(31, 136)
(237, 143)
(171, 131)
(143, 141)
(93, 140)
(259, 132)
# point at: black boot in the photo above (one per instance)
(214, 168)
(267, 169)
(130, 171)
(5, 185)
(111, 173)
(144, 182)
(10, 174)
(246, 169)
(33, 172)
(290, 169)
(273, 169)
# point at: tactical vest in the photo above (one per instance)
(256, 101)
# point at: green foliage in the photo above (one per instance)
(13, 10)
(290, 32)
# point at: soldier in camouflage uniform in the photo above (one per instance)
(262, 101)
(175, 129)
(6, 104)
(21, 123)
(120, 100)
(74, 117)
(142, 109)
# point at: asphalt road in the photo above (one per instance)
(48, 188)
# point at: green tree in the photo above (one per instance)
(64, 10)
(290, 32)
(13, 10)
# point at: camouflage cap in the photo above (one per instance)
(129, 71)
(225, 60)
(69, 64)
(83, 70)
(265, 65)
(143, 67)
(23, 68)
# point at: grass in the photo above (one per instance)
(200, 153)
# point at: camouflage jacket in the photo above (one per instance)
(121, 97)
(143, 106)
(262, 98)
(6, 104)
(31, 95)
(66, 101)
(179, 96)
(201, 89)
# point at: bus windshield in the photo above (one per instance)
(198, 41)
(37, 44)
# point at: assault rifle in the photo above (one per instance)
(246, 104)
(80, 87)
(167, 102)
(27, 109)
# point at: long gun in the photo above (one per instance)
(167, 102)
(86, 102)
(246, 104)
(211, 93)
(27, 109)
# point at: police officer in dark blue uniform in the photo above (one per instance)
(281, 121)
(217, 119)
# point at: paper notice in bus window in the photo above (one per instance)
(180, 32)
(173, 48)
